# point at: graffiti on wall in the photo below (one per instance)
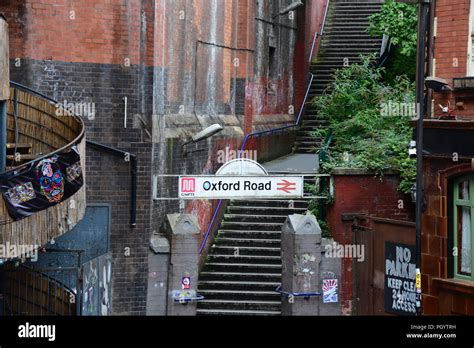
(97, 283)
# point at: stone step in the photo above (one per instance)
(249, 234)
(254, 218)
(245, 259)
(231, 312)
(251, 225)
(269, 203)
(236, 285)
(240, 305)
(271, 277)
(306, 150)
(230, 250)
(240, 295)
(255, 242)
(316, 144)
(267, 210)
(241, 267)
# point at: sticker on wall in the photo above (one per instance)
(186, 283)
(330, 291)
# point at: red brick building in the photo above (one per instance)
(448, 169)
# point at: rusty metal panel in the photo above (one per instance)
(4, 63)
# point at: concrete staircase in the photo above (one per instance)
(243, 268)
(345, 38)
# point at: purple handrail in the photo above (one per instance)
(242, 148)
(248, 136)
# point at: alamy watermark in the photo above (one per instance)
(398, 109)
(85, 108)
(19, 251)
(224, 156)
(345, 251)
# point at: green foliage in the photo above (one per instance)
(399, 21)
(363, 136)
(397, 64)
(317, 207)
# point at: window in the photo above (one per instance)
(463, 228)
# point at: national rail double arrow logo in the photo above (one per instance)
(286, 186)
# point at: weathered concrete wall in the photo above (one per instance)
(158, 264)
(305, 268)
(184, 233)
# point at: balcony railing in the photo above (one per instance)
(39, 135)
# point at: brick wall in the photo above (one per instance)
(441, 295)
(451, 51)
(362, 193)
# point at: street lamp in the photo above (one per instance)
(204, 134)
(423, 28)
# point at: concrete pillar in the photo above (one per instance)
(185, 240)
(158, 265)
(301, 257)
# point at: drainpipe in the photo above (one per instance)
(424, 9)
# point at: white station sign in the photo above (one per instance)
(229, 187)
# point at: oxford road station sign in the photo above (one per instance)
(243, 187)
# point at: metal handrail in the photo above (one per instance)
(189, 299)
(72, 143)
(242, 148)
(306, 295)
(320, 34)
(255, 134)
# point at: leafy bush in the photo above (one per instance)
(363, 136)
(399, 21)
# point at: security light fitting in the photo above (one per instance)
(437, 84)
(204, 134)
(208, 132)
(293, 6)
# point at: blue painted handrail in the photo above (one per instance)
(256, 134)
(297, 294)
(189, 299)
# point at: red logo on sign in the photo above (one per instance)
(286, 186)
(188, 185)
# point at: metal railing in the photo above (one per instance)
(78, 138)
(305, 295)
(271, 131)
(319, 35)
